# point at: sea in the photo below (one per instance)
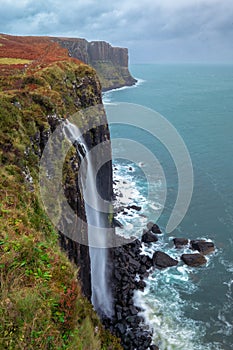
(187, 308)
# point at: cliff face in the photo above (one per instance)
(40, 86)
(111, 63)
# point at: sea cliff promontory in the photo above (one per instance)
(110, 63)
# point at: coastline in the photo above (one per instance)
(105, 94)
(158, 329)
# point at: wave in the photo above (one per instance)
(106, 96)
(163, 300)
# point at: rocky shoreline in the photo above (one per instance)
(130, 269)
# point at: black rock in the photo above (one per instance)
(117, 275)
(121, 328)
(149, 237)
(133, 310)
(141, 285)
(119, 316)
(154, 347)
(202, 246)
(162, 260)
(153, 227)
(180, 242)
(193, 259)
(149, 263)
(117, 223)
(142, 269)
(134, 207)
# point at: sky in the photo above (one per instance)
(153, 30)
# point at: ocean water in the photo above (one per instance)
(187, 308)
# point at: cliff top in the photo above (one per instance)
(27, 53)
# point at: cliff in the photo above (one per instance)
(110, 63)
(42, 304)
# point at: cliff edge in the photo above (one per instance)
(110, 63)
(42, 302)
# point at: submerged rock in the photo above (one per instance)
(180, 242)
(202, 246)
(193, 259)
(163, 260)
(149, 237)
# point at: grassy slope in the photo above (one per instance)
(41, 303)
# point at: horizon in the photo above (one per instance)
(153, 31)
(165, 62)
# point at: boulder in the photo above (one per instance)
(153, 227)
(180, 242)
(154, 347)
(149, 237)
(134, 207)
(193, 259)
(163, 260)
(117, 223)
(202, 246)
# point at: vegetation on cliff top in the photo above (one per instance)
(41, 303)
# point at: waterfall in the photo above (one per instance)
(101, 296)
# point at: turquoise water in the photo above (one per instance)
(189, 309)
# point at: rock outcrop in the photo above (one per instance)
(110, 63)
(193, 260)
(180, 242)
(162, 260)
(202, 246)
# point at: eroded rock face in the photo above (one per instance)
(202, 246)
(162, 260)
(193, 260)
(110, 63)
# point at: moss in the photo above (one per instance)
(41, 305)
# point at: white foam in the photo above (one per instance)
(106, 96)
(164, 309)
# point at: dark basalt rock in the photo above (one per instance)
(180, 242)
(134, 207)
(162, 260)
(149, 237)
(202, 246)
(117, 223)
(140, 285)
(154, 347)
(193, 259)
(153, 227)
(130, 267)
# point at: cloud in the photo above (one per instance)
(126, 22)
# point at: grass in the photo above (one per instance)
(9, 61)
(41, 305)
(41, 302)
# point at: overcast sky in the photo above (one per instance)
(153, 30)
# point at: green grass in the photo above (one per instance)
(41, 304)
